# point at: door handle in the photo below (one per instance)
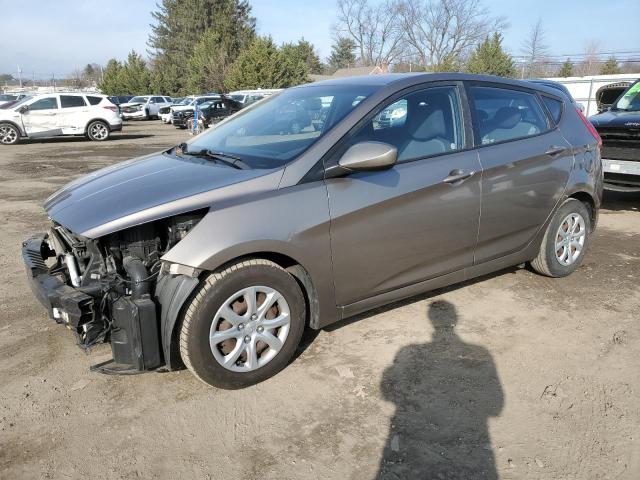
(555, 150)
(457, 176)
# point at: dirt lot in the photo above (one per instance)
(539, 379)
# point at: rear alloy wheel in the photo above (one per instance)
(243, 325)
(98, 131)
(9, 134)
(565, 242)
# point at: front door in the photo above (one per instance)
(41, 118)
(526, 165)
(418, 220)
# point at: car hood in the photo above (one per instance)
(616, 119)
(149, 188)
(132, 104)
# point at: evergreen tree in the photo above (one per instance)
(111, 83)
(342, 55)
(448, 64)
(135, 76)
(490, 58)
(208, 64)
(610, 67)
(566, 70)
(263, 65)
(180, 25)
(304, 51)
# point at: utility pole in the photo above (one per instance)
(20, 75)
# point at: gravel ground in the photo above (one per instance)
(511, 376)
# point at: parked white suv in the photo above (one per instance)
(144, 106)
(54, 114)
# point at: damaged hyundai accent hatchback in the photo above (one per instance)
(308, 208)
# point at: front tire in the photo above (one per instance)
(9, 134)
(98, 131)
(243, 325)
(565, 242)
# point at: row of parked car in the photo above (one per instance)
(97, 116)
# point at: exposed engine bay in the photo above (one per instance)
(112, 294)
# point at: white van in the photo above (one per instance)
(55, 114)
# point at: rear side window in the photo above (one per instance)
(94, 100)
(47, 103)
(157, 100)
(504, 114)
(70, 101)
(555, 108)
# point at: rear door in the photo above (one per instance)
(74, 114)
(526, 164)
(41, 119)
(413, 222)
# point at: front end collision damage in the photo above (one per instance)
(115, 289)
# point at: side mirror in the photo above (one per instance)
(366, 156)
(24, 109)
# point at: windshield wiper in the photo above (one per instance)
(235, 162)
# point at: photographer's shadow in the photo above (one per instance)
(444, 393)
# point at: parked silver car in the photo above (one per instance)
(218, 253)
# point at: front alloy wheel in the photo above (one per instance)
(243, 325)
(9, 135)
(250, 328)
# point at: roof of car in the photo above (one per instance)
(408, 79)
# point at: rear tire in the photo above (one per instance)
(263, 333)
(565, 242)
(98, 131)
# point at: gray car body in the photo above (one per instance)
(364, 239)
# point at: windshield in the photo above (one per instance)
(275, 131)
(237, 98)
(20, 102)
(630, 100)
(139, 100)
(7, 98)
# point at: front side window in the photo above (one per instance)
(421, 124)
(280, 128)
(46, 103)
(503, 114)
(71, 101)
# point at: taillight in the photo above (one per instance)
(590, 127)
(113, 108)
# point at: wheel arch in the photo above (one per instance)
(588, 200)
(171, 325)
(97, 119)
(11, 122)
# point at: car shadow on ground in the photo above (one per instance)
(444, 392)
(619, 201)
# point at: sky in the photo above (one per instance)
(48, 37)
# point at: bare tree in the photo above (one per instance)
(373, 28)
(445, 31)
(590, 64)
(535, 50)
